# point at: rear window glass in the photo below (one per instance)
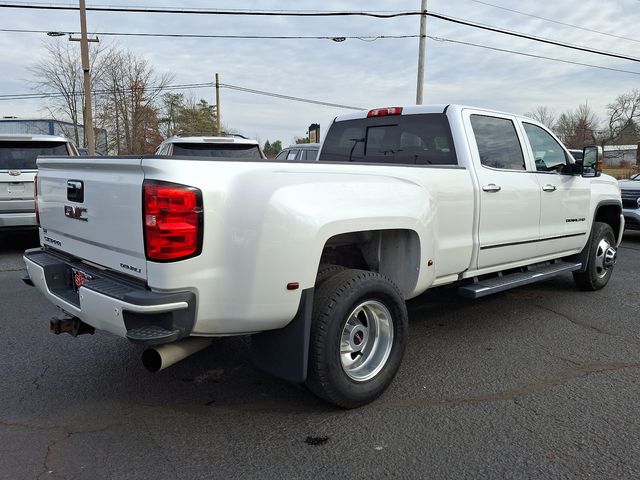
(498, 143)
(211, 150)
(310, 154)
(404, 139)
(23, 155)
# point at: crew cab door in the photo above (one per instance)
(565, 199)
(509, 191)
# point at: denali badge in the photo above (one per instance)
(15, 173)
(77, 213)
(129, 267)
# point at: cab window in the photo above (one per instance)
(282, 155)
(420, 139)
(547, 153)
(498, 143)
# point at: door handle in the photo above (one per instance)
(492, 187)
(549, 188)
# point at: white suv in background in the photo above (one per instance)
(18, 155)
(224, 146)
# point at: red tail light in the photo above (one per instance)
(35, 197)
(384, 112)
(173, 221)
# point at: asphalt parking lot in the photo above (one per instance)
(539, 382)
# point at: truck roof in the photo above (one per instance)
(211, 139)
(417, 109)
(27, 137)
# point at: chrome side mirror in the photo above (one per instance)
(592, 161)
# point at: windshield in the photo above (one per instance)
(23, 155)
(635, 177)
(217, 150)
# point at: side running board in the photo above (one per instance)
(488, 286)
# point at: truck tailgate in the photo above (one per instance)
(92, 209)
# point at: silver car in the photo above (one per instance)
(631, 201)
(18, 154)
(300, 152)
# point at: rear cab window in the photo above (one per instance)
(22, 155)
(417, 139)
(498, 143)
(217, 150)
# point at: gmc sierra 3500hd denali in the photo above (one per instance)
(315, 260)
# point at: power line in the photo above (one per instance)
(231, 12)
(557, 22)
(365, 38)
(531, 55)
(287, 97)
(32, 96)
(439, 16)
(362, 37)
(547, 41)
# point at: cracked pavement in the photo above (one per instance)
(538, 382)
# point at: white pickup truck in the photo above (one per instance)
(316, 259)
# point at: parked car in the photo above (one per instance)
(299, 152)
(316, 259)
(209, 147)
(575, 153)
(630, 190)
(85, 152)
(18, 154)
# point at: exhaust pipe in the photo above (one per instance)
(158, 358)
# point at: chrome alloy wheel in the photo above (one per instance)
(366, 340)
(605, 257)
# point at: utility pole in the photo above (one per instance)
(218, 132)
(84, 52)
(421, 49)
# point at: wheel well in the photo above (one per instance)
(393, 253)
(610, 214)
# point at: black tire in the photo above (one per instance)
(596, 276)
(327, 271)
(334, 302)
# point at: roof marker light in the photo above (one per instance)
(384, 112)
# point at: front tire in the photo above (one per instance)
(602, 258)
(358, 337)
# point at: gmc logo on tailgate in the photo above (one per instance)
(77, 213)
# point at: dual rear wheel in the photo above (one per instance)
(358, 337)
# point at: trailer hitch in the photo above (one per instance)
(71, 325)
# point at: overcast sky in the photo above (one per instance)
(366, 74)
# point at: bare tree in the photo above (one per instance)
(126, 93)
(578, 128)
(544, 115)
(624, 114)
(130, 105)
(60, 73)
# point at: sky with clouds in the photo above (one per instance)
(354, 72)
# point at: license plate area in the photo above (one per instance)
(79, 278)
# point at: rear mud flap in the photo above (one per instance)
(284, 353)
